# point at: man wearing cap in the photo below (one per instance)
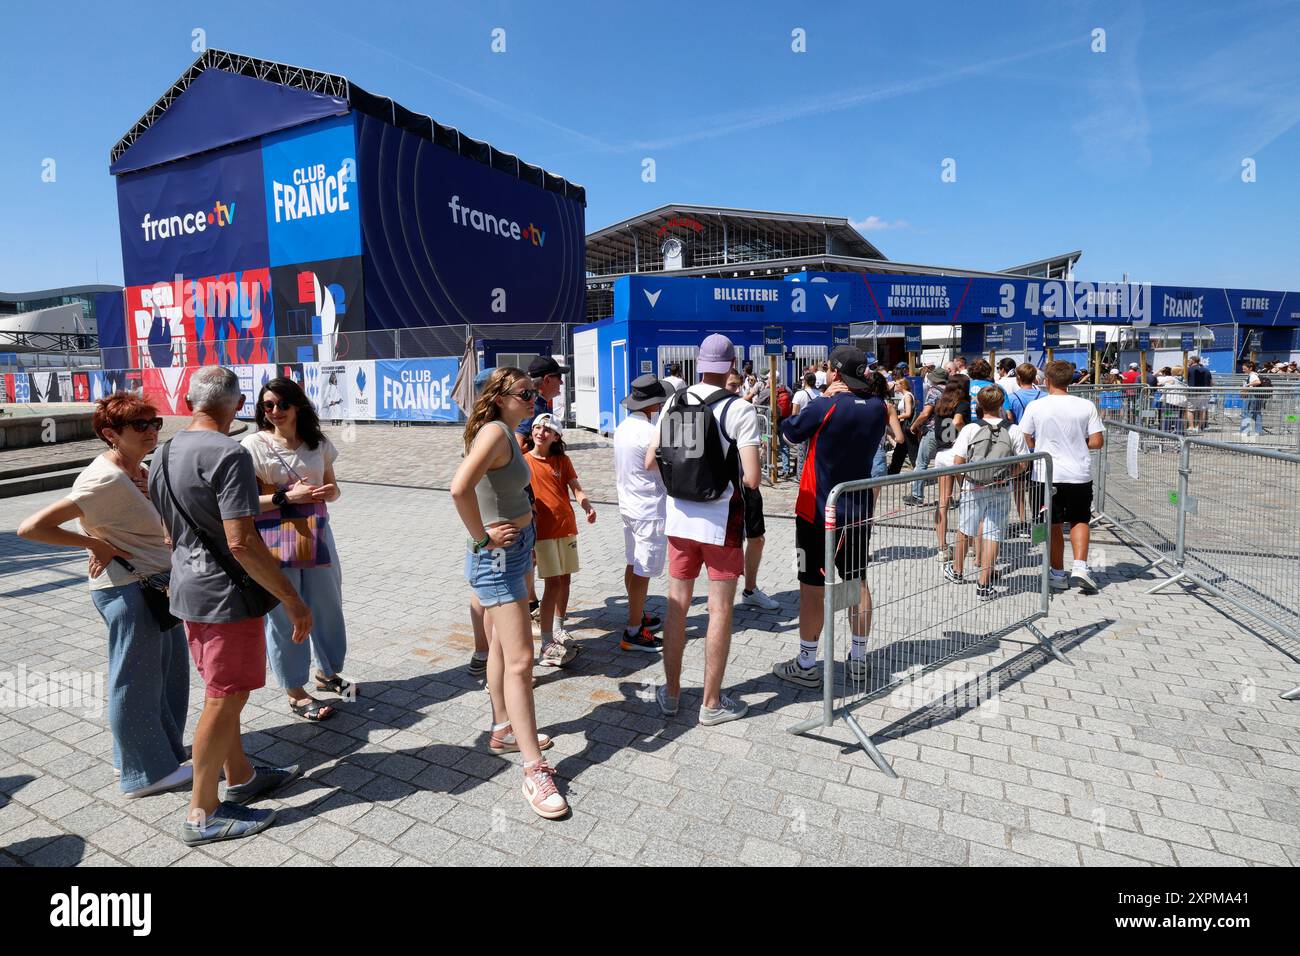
(837, 427)
(641, 503)
(923, 425)
(1007, 376)
(708, 534)
(548, 379)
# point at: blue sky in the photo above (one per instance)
(1133, 155)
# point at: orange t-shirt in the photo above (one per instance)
(551, 477)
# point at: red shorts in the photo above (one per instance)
(230, 657)
(685, 557)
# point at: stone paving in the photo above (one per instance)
(1164, 743)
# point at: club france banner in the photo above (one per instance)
(416, 390)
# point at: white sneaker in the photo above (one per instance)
(540, 792)
(182, 775)
(555, 654)
(726, 710)
(757, 598)
(858, 670)
(1083, 580)
(790, 670)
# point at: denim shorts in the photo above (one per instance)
(500, 575)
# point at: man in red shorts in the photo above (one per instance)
(223, 582)
(709, 534)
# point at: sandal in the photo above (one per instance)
(334, 685)
(311, 709)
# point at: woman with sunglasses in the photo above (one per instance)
(494, 499)
(148, 667)
(294, 462)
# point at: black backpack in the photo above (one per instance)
(690, 455)
(992, 442)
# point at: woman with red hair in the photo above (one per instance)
(130, 561)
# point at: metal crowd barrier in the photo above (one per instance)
(1218, 516)
(1262, 416)
(887, 588)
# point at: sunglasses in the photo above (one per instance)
(282, 405)
(142, 425)
(528, 394)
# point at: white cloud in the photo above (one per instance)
(876, 224)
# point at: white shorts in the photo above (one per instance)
(983, 512)
(944, 459)
(645, 545)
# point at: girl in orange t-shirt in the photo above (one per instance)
(557, 532)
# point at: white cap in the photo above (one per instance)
(547, 420)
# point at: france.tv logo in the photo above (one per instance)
(221, 214)
(481, 221)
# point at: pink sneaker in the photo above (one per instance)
(503, 741)
(540, 792)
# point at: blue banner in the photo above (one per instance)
(839, 335)
(416, 390)
(1144, 341)
(1051, 335)
(663, 298)
(1187, 341)
(313, 207)
(204, 216)
(912, 338)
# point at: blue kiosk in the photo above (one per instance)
(659, 321)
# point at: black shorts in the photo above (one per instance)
(1071, 501)
(754, 524)
(852, 551)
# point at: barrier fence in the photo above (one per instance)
(1263, 416)
(1218, 516)
(893, 609)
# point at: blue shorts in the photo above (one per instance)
(879, 467)
(500, 575)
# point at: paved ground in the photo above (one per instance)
(1165, 743)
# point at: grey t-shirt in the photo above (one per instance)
(213, 479)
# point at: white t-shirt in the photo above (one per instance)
(802, 398)
(821, 380)
(961, 447)
(310, 465)
(114, 510)
(677, 383)
(1061, 425)
(706, 521)
(641, 492)
(1008, 384)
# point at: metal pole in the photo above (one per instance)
(774, 439)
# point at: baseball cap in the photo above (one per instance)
(717, 354)
(547, 420)
(544, 365)
(1132, 364)
(901, 365)
(851, 365)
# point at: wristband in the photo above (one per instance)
(480, 545)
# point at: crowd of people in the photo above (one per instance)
(226, 547)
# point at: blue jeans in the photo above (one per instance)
(924, 456)
(1253, 411)
(148, 687)
(321, 589)
(784, 456)
(500, 575)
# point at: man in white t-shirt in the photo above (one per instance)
(674, 378)
(1067, 427)
(708, 534)
(1007, 376)
(641, 503)
(985, 498)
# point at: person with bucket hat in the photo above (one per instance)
(642, 502)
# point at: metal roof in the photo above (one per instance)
(1066, 259)
(615, 239)
(50, 293)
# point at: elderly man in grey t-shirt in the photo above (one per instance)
(223, 582)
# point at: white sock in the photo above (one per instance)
(807, 654)
(858, 647)
(1081, 565)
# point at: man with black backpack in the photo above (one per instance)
(986, 497)
(706, 447)
(223, 582)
